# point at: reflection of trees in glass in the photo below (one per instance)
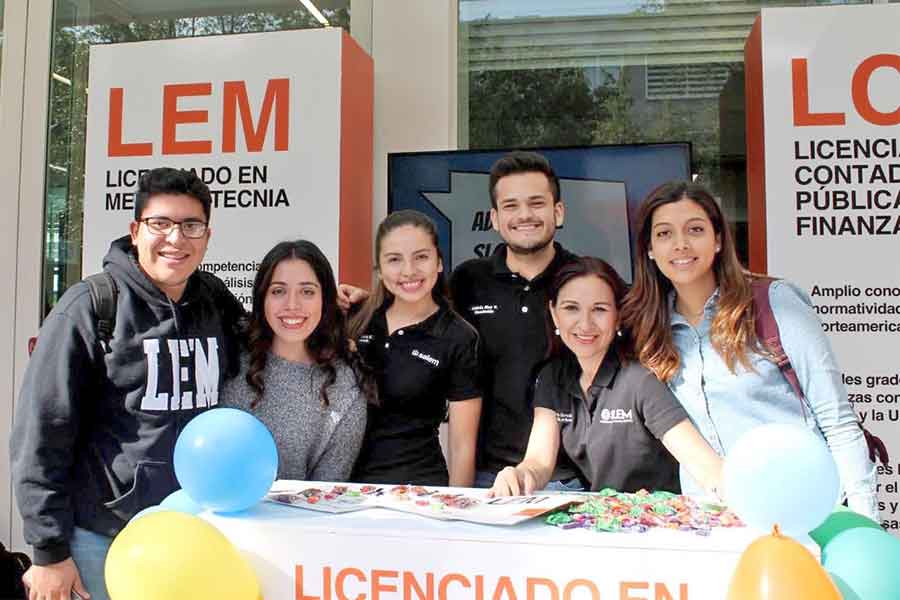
(529, 108)
(68, 114)
(557, 107)
(613, 123)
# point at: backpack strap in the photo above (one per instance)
(104, 297)
(768, 334)
(877, 450)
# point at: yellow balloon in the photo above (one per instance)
(776, 567)
(177, 556)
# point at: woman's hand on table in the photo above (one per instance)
(514, 481)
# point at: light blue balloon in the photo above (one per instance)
(866, 562)
(148, 511)
(226, 460)
(784, 475)
(180, 501)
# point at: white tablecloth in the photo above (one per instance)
(380, 554)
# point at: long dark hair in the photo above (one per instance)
(646, 312)
(583, 266)
(328, 342)
(380, 296)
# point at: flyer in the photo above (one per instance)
(463, 504)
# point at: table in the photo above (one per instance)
(380, 554)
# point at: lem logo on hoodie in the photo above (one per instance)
(188, 361)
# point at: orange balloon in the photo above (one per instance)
(776, 567)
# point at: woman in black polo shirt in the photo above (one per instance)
(616, 421)
(424, 355)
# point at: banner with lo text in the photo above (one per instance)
(824, 177)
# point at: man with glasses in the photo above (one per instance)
(96, 422)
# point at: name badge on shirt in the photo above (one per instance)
(484, 309)
(563, 417)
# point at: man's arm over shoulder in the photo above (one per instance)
(58, 381)
(231, 307)
(234, 319)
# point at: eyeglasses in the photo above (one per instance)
(190, 228)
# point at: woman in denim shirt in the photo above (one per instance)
(690, 313)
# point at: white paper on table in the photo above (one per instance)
(464, 504)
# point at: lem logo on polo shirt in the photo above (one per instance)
(427, 358)
(616, 415)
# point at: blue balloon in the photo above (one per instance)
(784, 475)
(865, 561)
(180, 501)
(148, 511)
(226, 460)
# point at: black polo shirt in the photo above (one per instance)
(509, 312)
(613, 435)
(418, 368)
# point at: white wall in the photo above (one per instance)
(10, 149)
(414, 48)
(26, 49)
(25, 80)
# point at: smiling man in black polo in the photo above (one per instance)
(505, 297)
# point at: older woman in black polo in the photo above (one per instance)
(616, 421)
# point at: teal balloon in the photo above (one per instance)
(180, 501)
(839, 521)
(843, 588)
(149, 511)
(864, 562)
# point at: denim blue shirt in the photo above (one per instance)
(724, 405)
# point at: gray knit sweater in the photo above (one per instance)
(315, 442)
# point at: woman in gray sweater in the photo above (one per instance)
(298, 375)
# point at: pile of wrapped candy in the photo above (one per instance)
(609, 510)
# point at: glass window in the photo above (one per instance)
(77, 24)
(575, 72)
